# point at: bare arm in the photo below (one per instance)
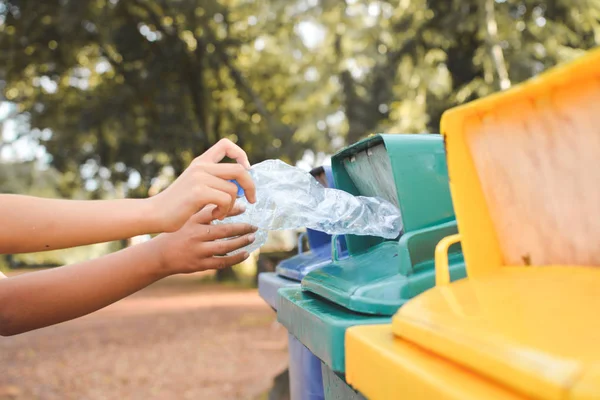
(44, 298)
(30, 224)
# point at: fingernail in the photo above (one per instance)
(251, 238)
(246, 254)
(254, 228)
(242, 207)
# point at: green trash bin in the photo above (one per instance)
(379, 275)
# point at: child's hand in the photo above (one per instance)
(196, 246)
(205, 182)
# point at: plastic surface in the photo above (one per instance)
(531, 329)
(381, 280)
(297, 267)
(319, 254)
(289, 198)
(420, 180)
(380, 275)
(336, 388)
(371, 172)
(240, 191)
(442, 266)
(384, 367)
(563, 93)
(529, 326)
(304, 368)
(306, 382)
(384, 278)
(268, 285)
(319, 324)
(321, 240)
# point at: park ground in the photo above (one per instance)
(178, 339)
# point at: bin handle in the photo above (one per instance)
(335, 250)
(442, 271)
(300, 240)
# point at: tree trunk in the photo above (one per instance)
(493, 44)
(226, 275)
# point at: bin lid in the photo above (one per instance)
(268, 285)
(380, 275)
(382, 366)
(382, 279)
(532, 329)
(420, 176)
(298, 266)
(523, 168)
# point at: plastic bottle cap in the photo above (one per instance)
(240, 192)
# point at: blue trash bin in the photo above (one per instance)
(306, 381)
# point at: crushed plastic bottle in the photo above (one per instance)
(290, 198)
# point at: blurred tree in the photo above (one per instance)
(401, 63)
(24, 177)
(129, 87)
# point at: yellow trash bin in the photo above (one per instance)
(525, 186)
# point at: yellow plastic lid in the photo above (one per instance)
(532, 329)
(384, 367)
(523, 167)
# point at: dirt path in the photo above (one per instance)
(175, 340)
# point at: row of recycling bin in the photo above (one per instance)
(395, 318)
(356, 280)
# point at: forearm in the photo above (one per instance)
(30, 224)
(44, 298)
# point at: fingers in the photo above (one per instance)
(222, 186)
(237, 209)
(227, 246)
(224, 262)
(222, 149)
(233, 171)
(205, 216)
(221, 199)
(225, 231)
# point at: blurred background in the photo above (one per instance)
(105, 99)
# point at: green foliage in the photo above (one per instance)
(132, 86)
(129, 87)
